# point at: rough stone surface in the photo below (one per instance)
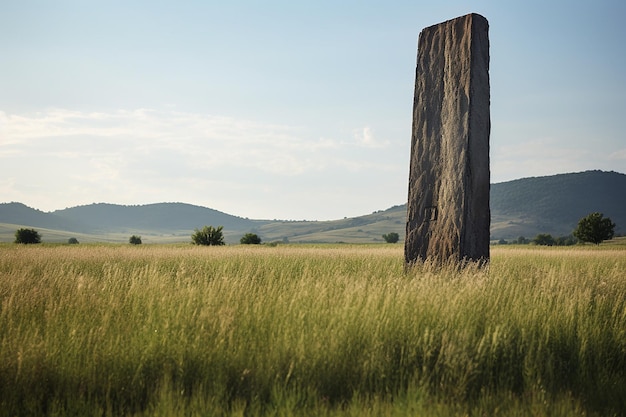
(448, 206)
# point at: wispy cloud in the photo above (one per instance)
(140, 155)
(549, 156)
(619, 155)
(542, 156)
(365, 137)
(199, 139)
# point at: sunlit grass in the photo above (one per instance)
(309, 330)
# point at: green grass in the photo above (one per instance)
(337, 330)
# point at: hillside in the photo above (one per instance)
(554, 204)
(110, 222)
(20, 214)
(524, 207)
(363, 229)
(165, 217)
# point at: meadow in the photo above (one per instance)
(309, 330)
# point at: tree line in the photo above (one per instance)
(594, 228)
(208, 235)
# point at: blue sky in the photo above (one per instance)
(284, 109)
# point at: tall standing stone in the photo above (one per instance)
(448, 207)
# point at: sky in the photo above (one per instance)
(293, 110)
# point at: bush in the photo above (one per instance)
(595, 228)
(392, 237)
(544, 240)
(566, 240)
(135, 240)
(27, 236)
(209, 236)
(72, 241)
(250, 239)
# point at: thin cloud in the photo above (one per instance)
(545, 156)
(145, 155)
(619, 155)
(201, 140)
(365, 137)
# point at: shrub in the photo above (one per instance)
(250, 239)
(27, 236)
(595, 228)
(522, 241)
(135, 240)
(72, 241)
(392, 237)
(566, 240)
(209, 236)
(544, 240)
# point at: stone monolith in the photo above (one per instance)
(448, 207)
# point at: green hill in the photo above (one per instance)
(524, 207)
(164, 217)
(362, 229)
(160, 222)
(554, 204)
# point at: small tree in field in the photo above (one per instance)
(72, 241)
(392, 237)
(595, 228)
(250, 239)
(522, 240)
(27, 236)
(135, 240)
(209, 236)
(544, 239)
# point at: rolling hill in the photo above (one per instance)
(524, 207)
(554, 204)
(111, 222)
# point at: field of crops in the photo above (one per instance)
(309, 330)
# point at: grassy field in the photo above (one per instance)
(306, 330)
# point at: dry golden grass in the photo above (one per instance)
(309, 330)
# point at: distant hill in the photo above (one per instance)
(554, 204)
(161, 221)
(20, 214)
(164, 217)
(524, 207)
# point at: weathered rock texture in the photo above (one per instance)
(448, 208)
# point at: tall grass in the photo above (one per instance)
(309, 330)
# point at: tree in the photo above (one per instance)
(595, 228)
(27, 236)
(209, 236)
(72, 241)
(135, 240)
(566, 240)
(392, 237)
(250, 239)
(544, 240)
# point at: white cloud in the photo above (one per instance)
(144, 155)
(549, 156)
(144, 131)
(544, 156)
(199, 141)
(619, 155)
(365, 137)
